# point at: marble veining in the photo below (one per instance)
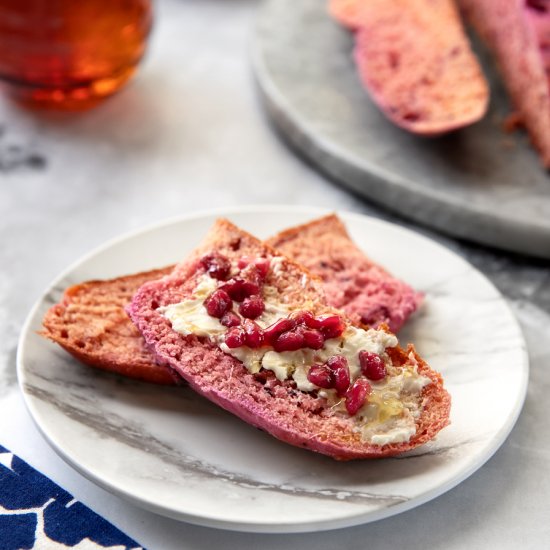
(15, 156)
(109, 425)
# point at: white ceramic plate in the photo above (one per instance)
(174, 453)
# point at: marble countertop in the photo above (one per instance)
(189, 133)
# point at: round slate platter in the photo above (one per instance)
(478, 183)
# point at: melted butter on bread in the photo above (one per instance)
(389, 414)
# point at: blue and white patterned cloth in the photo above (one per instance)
(36, 513)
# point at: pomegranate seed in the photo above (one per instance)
(262, 267)
(235, 337)
(338, 364)
(321, 376)
(357, 395)
(239, 289)
(230, 319)
(218, 303)
(216, 265)
(254, 334)
(278, 327)
(313, 339)
(244, 261)
(304, 318)
(253, 269)
(372, 365)
(252, 307)
(289, 341)
(330, 325)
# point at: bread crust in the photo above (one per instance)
(90, 323)
(352, 282)
(299, 418)
(509, 31)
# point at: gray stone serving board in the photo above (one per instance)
(477, 183)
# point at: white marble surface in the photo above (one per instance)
(189, 133)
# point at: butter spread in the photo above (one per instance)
(398, 434)
(389, 413)
(277, 265)
(190, 316)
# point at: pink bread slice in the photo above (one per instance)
(415, 61)
(517, 32)
(352, 282)
(90, 323)
(300, 418)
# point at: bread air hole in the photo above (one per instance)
(537, 5)
(411, 116)
(235, 244)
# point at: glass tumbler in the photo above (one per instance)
(71, 53)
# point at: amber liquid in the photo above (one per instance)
(71, 53)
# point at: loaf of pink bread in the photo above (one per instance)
(518, 32)
(415, 61)
(352, 282)
(300, 418)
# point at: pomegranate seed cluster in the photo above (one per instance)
(334, 374)
(242, 292)
(297, 331)
(244, 288)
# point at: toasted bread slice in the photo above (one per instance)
(91, 324)
(267, 383)
(415, 61)
(518, 33)
(352, 282)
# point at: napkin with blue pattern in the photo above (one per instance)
(36, 513)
